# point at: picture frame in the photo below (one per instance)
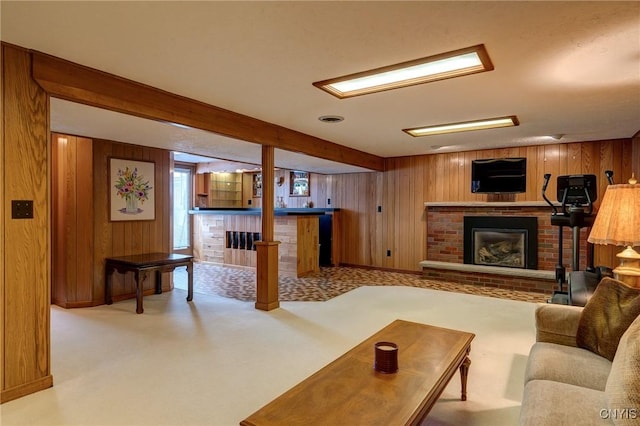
(299, 184)
(131, 190)
(257, 185)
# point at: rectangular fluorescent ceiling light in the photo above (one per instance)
(457, 63)
(465, 126)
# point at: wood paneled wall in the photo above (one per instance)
(83, 235)
(25, 359)
(383, 212)
(130, 237)
(321, 190)
(72, 220)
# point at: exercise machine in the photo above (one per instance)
(576, 195)
(582, 284)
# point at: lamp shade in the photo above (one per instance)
(618, 219)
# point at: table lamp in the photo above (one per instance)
(618, 223)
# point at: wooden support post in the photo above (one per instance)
(267, 249)
(267, 275)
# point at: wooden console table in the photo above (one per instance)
(141, 265)
(349, 391)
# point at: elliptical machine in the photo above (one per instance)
(576, 195)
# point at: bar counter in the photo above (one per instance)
(226, 236)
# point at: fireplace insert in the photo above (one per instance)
(510, 242)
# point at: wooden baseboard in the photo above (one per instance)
(28, 388)
(71, 305)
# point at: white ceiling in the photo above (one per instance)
(569, 68)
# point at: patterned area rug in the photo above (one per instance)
(240, 283)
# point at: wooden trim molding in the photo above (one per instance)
(77, 83)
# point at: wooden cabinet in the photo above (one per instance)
(202, 184)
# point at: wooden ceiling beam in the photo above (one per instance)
(73, 82)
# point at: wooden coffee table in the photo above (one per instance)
(350, 391)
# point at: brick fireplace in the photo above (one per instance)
(445, 244)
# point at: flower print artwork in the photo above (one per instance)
(132, 190)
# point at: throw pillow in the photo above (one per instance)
(606, 316)
(623, 386)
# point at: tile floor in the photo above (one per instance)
(239, 283)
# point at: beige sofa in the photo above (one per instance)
(568, 385)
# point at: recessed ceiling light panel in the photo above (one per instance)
(457, 63)
(464, 126)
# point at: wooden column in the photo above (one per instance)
(267, 256)
(25, 285)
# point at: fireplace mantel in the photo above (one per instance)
(489, 204)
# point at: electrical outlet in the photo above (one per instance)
(249, 202)
(388, 253)
(21, 209)
(328, 201)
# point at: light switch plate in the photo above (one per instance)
(21, 209)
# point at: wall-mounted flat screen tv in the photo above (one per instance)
(499, 175)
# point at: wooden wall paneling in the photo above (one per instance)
(441, 179)
(123, 238)
(247, 190)
(574, 158)
(58, 196)
(589, 157)
(351, 241)
(84, 221)
(395, 214)
(451, 176)
(408, 195)
(431, 177)
(394, 208)
(72, 233)
(627, 162)
(146, 229)
(350, 200)
(389, 208)
(535, 178)
(26, 262)
(402, 207)
(635, 154)
(425, 196)
(611, 157)
(102, 229)
(378, 233)
(522, 152)
(367, 219)
(469, 157)
(417, 236)
(393, 211)
(562, 158)
(69, 213)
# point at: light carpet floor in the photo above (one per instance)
(216, 360)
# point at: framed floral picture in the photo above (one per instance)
(131, 190)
